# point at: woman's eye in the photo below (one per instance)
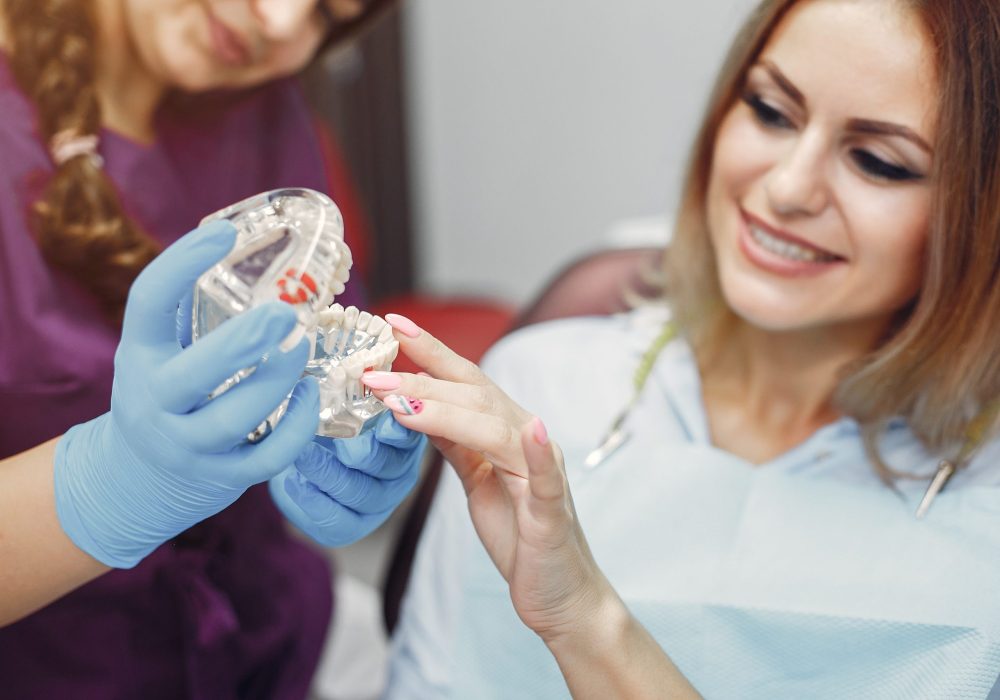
(765, 113)
(880, 169)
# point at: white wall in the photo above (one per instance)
(536, 124)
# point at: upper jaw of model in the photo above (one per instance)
(290, 247)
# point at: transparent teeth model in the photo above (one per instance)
(290, 247)
(349, 343)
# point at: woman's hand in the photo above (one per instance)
(340, 490)
(523, 512)
(513, 475)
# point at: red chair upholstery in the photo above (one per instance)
(596, 284)
(467, 326)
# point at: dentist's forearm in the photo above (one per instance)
(38, 561)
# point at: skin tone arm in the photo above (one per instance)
(523, 512)
(601, 649)
(39, 562)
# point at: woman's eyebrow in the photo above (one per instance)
(862, 126)
(871, 126)
(786, 85)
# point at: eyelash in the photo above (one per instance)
(873, 166)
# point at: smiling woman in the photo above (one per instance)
(886, 175)
(829, 322)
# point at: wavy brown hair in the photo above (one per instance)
(79, 220)
(939, 366)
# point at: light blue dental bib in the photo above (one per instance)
(801, 578)
(767, 583)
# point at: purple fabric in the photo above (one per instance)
(234, 608)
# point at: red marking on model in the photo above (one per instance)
(298, 293)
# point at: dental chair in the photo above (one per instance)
(596, 284)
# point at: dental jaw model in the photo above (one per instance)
(290, 247)
(349, 343)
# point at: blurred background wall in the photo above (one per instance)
(535, 125)
(495, 141)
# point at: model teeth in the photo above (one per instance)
(787, 249)
(353, 342)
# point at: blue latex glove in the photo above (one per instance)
(341, 489)
(162, 459)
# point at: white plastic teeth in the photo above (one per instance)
(349, 342)
(787, 249)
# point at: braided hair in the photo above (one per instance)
(79, 220)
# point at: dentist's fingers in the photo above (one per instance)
(349, 487)
(226, 420)
(150, 314)
(433, 355)
(389, 432)
(331, 523)
(184, 380)
(185, 310)
(294, 432)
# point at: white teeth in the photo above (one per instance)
(354, 342)
(364, 318)
(787, 249)
(330, 319)
(354, 365)
(351, 314)
(375, 326)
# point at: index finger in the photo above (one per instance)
(440, 361)
(150, 314)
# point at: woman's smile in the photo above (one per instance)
(780, 252)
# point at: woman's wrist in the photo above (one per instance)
(608, 653)
(598, 624)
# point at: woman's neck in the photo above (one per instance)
(129, 94)
(766, 391)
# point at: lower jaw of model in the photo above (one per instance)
(346, 344)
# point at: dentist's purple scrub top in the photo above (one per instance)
(234, 608)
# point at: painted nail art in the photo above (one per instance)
(401, 404)
(403, 325)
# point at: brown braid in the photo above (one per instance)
(79, 221)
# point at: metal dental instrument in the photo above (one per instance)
(975, 435)
(617, 435)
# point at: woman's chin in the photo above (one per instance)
(770, 314)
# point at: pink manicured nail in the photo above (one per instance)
(383, 381)
(401, 404)
(540, 433)
(403, 325)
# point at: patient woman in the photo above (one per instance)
(833, 313)
(122, 123)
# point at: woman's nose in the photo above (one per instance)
(798, 184)
(283, 19)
